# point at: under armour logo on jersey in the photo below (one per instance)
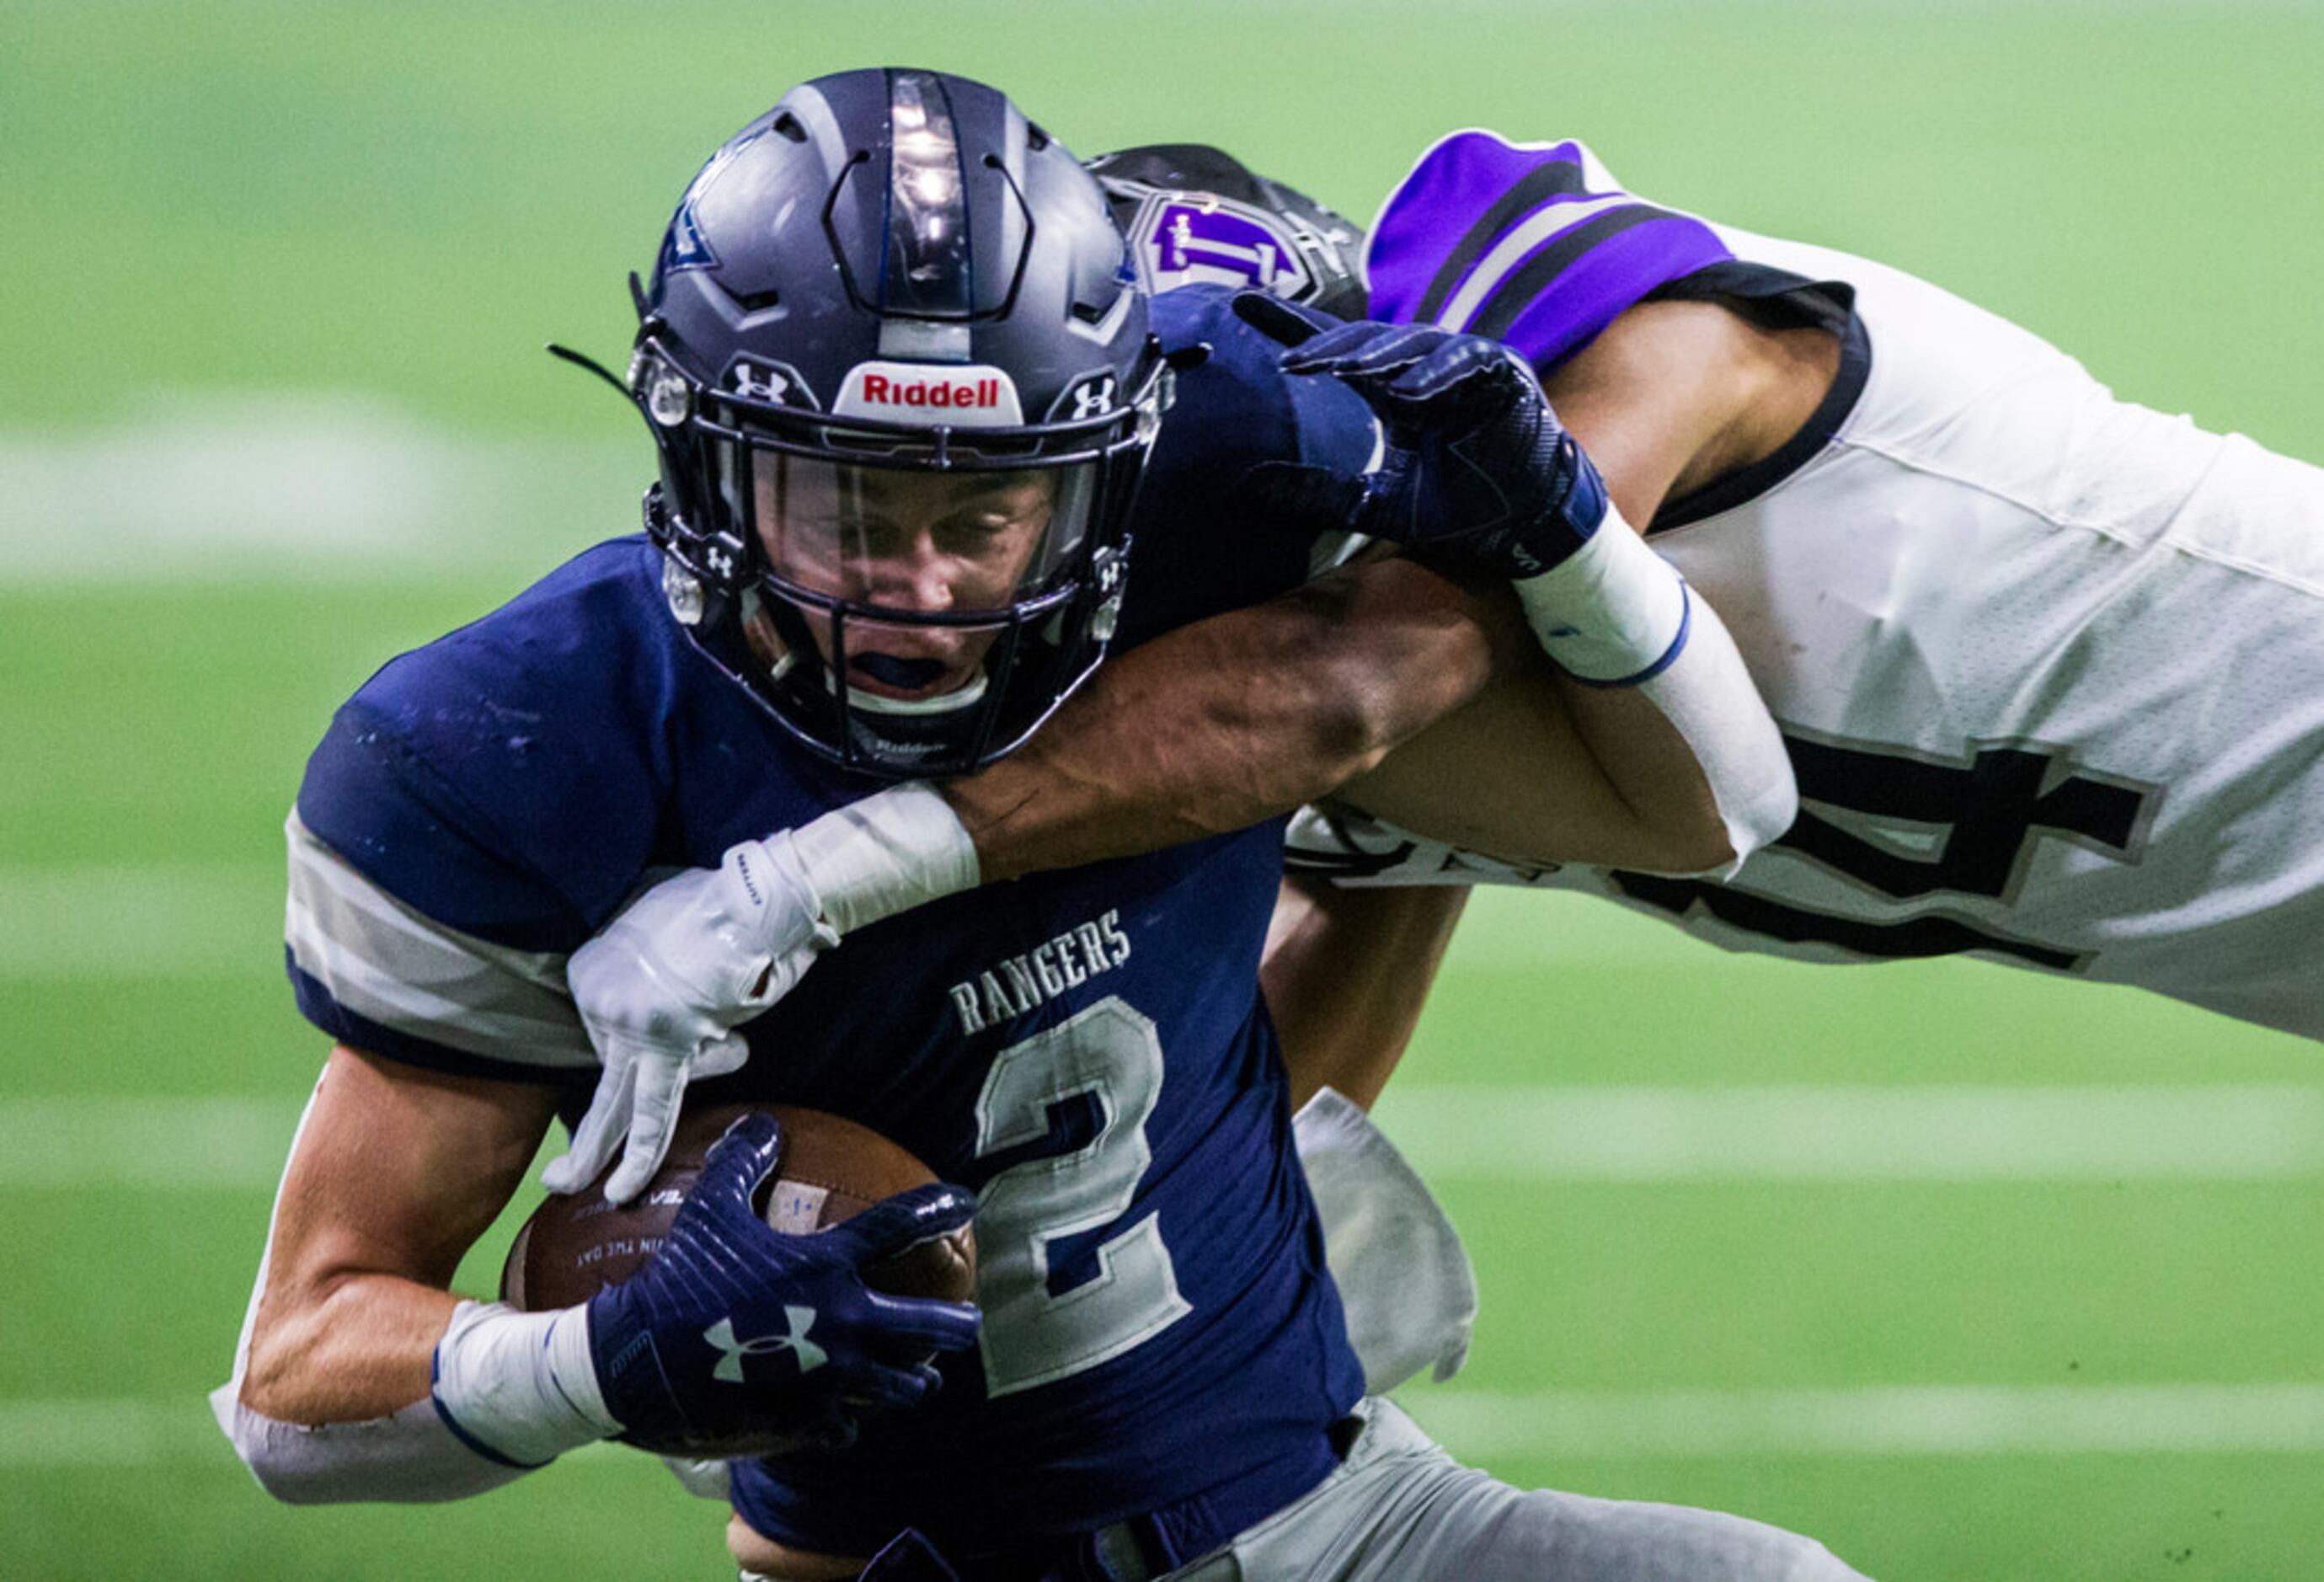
(732, 1351)
(1093, 399)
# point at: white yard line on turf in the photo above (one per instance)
(93, 922)
(288, 488)
(184, 1143)
(2285, 1418)
(48, 1435)
(1924, 1419)
(1642, 1136)
(2254, 1133)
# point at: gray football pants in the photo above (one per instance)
(1399, 1509)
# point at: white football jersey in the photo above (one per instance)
(2050, 667)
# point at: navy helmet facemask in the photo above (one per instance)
(897, 369)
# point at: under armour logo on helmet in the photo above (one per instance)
(761, 384)
(1093, 399)
(721, 562)
(765, 382)
(732, 1351)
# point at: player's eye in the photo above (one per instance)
(821, 532)
(876, 538)
(973, 532)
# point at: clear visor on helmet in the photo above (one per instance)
(905, 578)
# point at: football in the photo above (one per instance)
(830, 1169)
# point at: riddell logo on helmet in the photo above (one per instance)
(964, 396)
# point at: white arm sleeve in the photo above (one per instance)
(408, 1457)
(1712, 701)
(1617, 615)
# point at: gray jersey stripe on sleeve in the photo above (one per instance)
(391, 965)
(1514, 249)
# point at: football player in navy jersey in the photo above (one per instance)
(903, 390)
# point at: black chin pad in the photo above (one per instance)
(889, 670)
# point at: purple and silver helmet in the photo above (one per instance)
(1196, 214)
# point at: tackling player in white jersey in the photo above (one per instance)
(2048, 664)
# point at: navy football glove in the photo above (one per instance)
(737, 1339)
(1479, 474)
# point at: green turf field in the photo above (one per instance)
(2010, 1278)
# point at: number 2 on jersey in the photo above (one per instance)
(1033, 1334)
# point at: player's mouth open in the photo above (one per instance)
(893, 675)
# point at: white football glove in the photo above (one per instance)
(662, 988)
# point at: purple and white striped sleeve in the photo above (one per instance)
(1530, 244)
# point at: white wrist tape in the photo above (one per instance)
(1712, 701)
(1611, 614)
(894, 850)
(520, 1387)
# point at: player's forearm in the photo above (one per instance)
(1346, 974)
(335, 1403)
(1693, 755)
(357, 1347)
(1236, 719)
(395, 1173)
(1684, 773)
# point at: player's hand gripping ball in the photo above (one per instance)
(757, 1319)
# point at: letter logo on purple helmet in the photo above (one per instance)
(1182, 242)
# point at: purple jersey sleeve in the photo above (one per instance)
(1531, 244)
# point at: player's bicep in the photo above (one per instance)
(1655, 398)
(1346, 973)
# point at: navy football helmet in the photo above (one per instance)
(896, 366)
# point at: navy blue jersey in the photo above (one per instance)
(1086, 1050)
